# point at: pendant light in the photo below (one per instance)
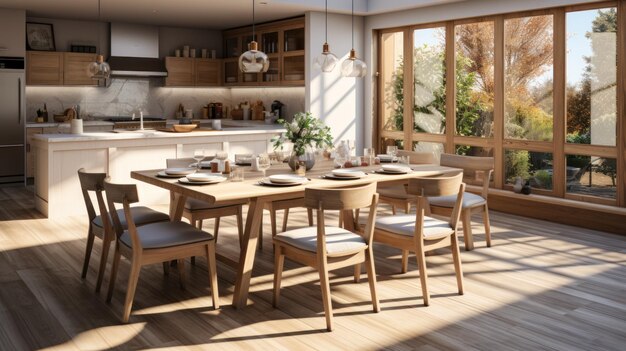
(253, 60)
(99, 69)
(352, 66)
(326, 61)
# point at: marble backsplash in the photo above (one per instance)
(127, 96)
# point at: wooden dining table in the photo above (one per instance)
(258, 195)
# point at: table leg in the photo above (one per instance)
(248, 251)
(177, 205)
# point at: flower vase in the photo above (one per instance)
(307, 160)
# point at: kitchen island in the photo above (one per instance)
(59, 156)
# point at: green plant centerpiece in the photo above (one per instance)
(306, 133)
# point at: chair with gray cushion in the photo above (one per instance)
(328, 248)
(159, 242)
(476, 170)
(420, 233)
(100, 225)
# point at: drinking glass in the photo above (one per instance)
(340, 159)
(264, 163)
(369, 155)
(198, 155)
(236, 175)
(392, 150)
(352, 147)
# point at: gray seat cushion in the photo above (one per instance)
(395, 192)
(339, 241)
(469, 200)
(141, 215)
(166, 234)
(405, 225)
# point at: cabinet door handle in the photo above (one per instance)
(19, 100)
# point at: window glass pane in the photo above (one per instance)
(387, 142)
(429, 110)
(392, 73)
(424, 146)
(590, 175)
(534, 167)
(528, 77)
(467, 150)
(474, 79)
(592, 76)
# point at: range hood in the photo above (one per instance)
(135, 51)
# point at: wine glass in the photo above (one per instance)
(198, 155)
(392, 151)
(264, 163)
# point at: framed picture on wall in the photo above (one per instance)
(39, 36)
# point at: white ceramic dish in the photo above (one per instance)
(396, 168)
(266, 181)
(178, 171)
(286, 179)
(204, 177)
(213, 180)
(348, 173)
(162, 174)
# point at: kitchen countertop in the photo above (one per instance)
(225, 123)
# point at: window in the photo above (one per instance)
(429, 85)
(592, 76)
(528, 56)
(590, 175)
(392, 78)
(474, 79)
(533, 167)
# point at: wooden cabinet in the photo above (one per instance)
(12, 33)
(284, 44)
(44, 68)
(208, 72)
(180, 71)
(30, 156)
(75, 67)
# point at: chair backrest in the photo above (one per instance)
(183, 162)
(124, 194)
(443, 185)
(416, 157)
(475, 168)
(342, 199)
(93, 182)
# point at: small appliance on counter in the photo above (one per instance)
(277, 109)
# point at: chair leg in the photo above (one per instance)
(405, 261)
(166, 268)
(309, 213)
(212, 266)
(90, 238)
(421, 265)
(467, 230)
(357, 273)
(116, 263)
(340, 224)
(135, 268)
(279, 262)
(273, 221)
(393, 210)
(285, 218)
(216, 227)
(181, 273)
(199, 224)
(407, 207)
(487, 225)
(371, 278)
(456, 256)
(106, 245)
(328, 307)
(357, 212)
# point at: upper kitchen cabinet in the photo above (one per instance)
(44, 68)
(75, 68)
(12, 33)
(208, 72)
(180, 71)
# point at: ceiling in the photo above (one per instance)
(213, 14)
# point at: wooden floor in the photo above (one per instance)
(541, 286)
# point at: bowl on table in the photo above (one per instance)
(184, 128)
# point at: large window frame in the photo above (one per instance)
(558, 146)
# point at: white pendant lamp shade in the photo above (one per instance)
(326, 61)
(353, 67)
(253, 60)
(99, 69)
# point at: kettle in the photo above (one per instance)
(277, 108)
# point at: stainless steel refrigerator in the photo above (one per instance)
(12, 156)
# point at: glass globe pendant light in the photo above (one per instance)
(352, 66)
(99, 69)
(326, 61)
(253, 60)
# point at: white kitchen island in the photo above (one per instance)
(59, 156)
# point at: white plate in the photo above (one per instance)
(348, 173)
(266, 181)
(396, 168)
(204, 177)
(162, 174)
(286, 179)
(178, 171)
(215, 180)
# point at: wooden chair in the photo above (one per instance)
(420, 233)
(326, 247)
(154, 243)
(100, 225)
(476, 170)
(285, 205)
(196, 210)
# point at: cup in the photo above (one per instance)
(177, 52)
(236, 175)
(204, 51)
(189, 113)
(213, 54)
(192, 53)
(216, 124)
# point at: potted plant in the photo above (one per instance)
(305, 132)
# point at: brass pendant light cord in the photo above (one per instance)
(352, 24)
(326, 24)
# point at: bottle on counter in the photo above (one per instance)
(44, 114)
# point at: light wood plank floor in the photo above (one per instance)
(541, 286)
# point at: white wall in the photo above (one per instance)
(458, 10)
(336, 100)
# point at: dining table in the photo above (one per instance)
(259, 194)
